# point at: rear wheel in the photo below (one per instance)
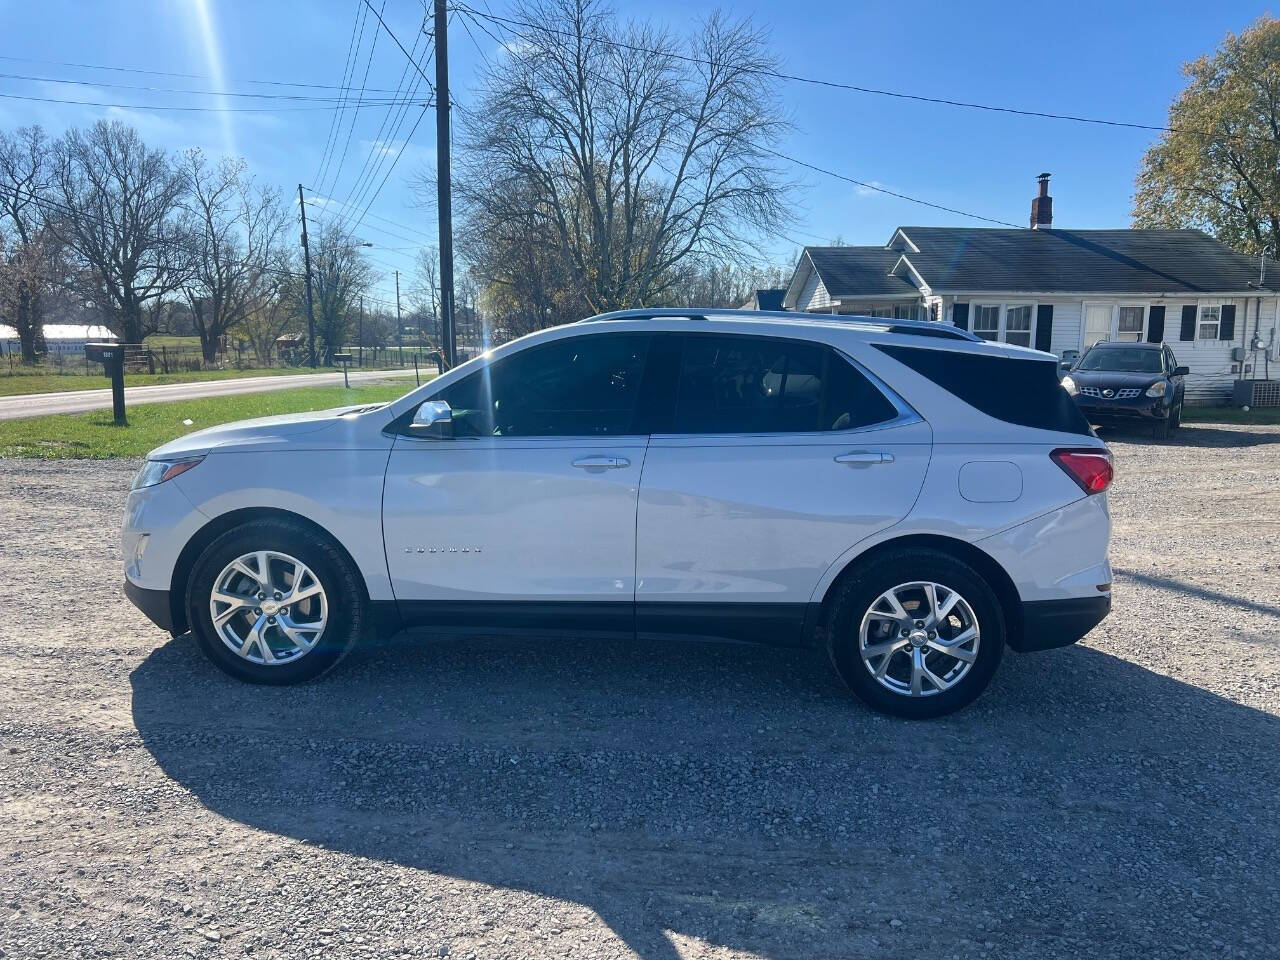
(916, 634)
(272, 602)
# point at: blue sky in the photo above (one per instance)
(1120, 61)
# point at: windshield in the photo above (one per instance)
(1122, 359)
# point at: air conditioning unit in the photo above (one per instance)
(1256, 393)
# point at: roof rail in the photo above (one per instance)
(925, 328)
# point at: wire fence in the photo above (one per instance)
(70, 360)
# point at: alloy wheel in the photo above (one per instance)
(919, 639)
(268, 608)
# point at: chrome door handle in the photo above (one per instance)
(602, 463)
(864, 458)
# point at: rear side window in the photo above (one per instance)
(734, 384)
(1025, 392)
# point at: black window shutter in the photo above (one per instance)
(1188, 331)
(1155, 324)
(960, 315)
(1044, 326)
(1227, 328)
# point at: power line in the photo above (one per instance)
(153, 106)
(373, 162)
(394, 223)
(204, 93)
(180, 76)
(361, 16)
(832, 84)
(392, 35)
(346, 146)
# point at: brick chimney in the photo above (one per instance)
(1042, 206)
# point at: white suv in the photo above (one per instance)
(902, 494)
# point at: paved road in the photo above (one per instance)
(81, 401)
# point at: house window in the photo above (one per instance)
(1017, 325)
(933, 311)
(1209, 319)
(986, 322)
(1012, 323)
(1129, 324)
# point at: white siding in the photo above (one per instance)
(1066, 325)
(813, 296)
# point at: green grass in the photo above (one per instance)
(158, 340)
(93, 436)
(1263, 416)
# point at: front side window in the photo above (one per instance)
(986, 322)
(739, 384)
(1209, 319)
(576, 387)
(1129, 324)
(1017, 325)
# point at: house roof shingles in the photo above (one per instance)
(859, 271)
(962, 259)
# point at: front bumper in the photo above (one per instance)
(1057, 623)
(154, 603)
(1137, 408)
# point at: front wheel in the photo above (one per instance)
(917, 634)
(272, 602)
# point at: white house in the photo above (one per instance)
(1060, 290)
(61, 339)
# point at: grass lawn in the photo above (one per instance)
(41, 382)
(92, 436)
(1256, 415)
(158, 340)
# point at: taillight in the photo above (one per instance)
(1091, 469)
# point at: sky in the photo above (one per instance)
(1119, 61)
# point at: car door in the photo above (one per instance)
(525, 516)
(780, 455)
(1179, 382)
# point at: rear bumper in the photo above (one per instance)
(1057, 623)
(154, 603)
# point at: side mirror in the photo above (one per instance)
(433, 418)
(1065, 364)
(1181, 371)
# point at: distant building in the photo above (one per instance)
(60, 339)
(765, 300)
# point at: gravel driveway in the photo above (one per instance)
(502, 798)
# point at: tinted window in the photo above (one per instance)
(758, 385)
(1025, 392)
(580, 386)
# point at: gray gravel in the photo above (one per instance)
(503, 798)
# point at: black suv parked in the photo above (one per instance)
(1118, 383)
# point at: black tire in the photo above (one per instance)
(344, 590)
(860, 589)
(1161, 429)
(1175, 416)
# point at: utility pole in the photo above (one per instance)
(360, 335)
(306, 258)
(399, 326)
(444, 190)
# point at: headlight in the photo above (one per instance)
(158, 471)
(1069, 385)
(1157, 389)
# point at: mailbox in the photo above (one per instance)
(342, 357)
(111, 356)
(107, 354)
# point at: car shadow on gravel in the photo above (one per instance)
(1084, 805)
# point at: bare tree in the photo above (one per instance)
(116, 205)
(234, 229)
(603, 154)
(25, 254)
(339, 274)
(275, 307)
(424, 294)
